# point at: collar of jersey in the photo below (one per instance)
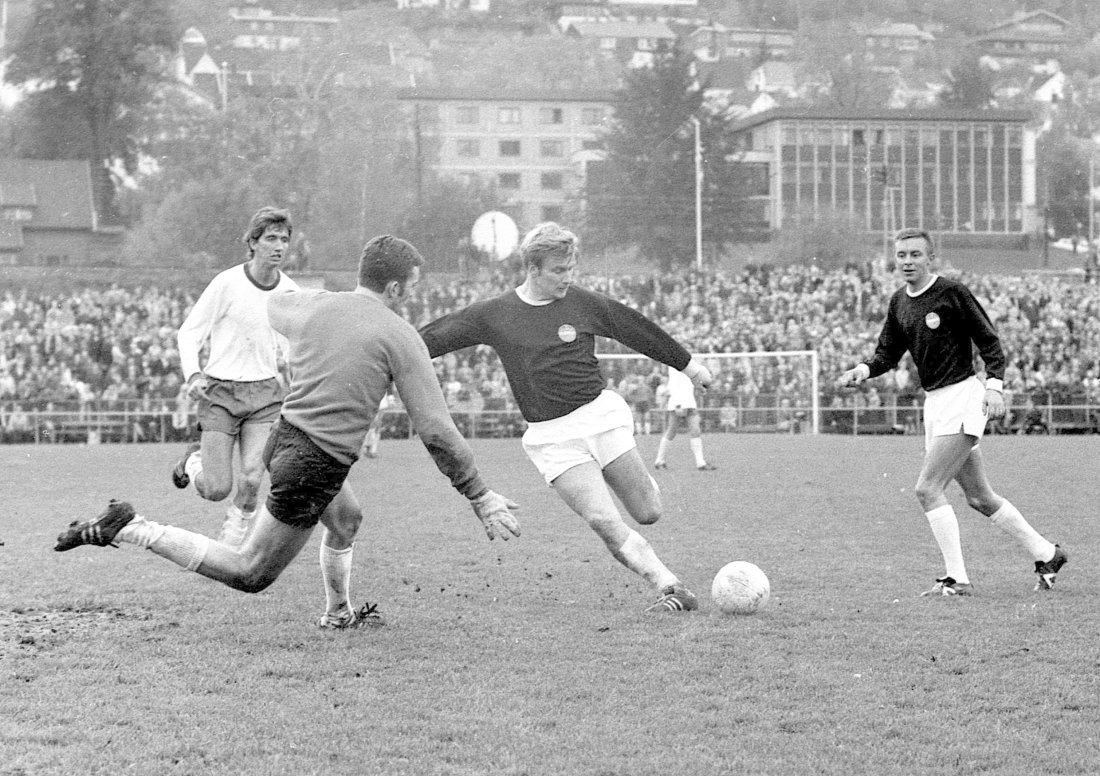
(927, 286)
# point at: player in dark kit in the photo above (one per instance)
(579, 436)
(939, 322)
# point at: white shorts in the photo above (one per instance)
(681, 391)
(955, 409)
(600, 431)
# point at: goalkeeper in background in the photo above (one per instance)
(345, 350)
(940, 322)
(580, 435)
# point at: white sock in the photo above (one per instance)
(697, 450)
(193, 467)
(336, 572)
(945, 527)
(184, 548)
(638, 556)
(1009, 520)
(662, 450)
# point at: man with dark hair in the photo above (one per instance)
(346, 348)
(240, 386)
(579, 435)
(939, 322)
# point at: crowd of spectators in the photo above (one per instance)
(115, 348)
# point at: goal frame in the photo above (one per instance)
(815, 387)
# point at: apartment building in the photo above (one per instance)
(532, 147)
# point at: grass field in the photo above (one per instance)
(533, 656)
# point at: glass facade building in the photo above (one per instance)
(946, 171)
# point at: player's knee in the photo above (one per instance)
(927, 493)
(986, 503)
(213, 490)
(648, 514)
(255, 580)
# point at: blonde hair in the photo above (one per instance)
(547, 239)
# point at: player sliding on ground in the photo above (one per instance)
(346, 349)
(579, 435)
(939, 322)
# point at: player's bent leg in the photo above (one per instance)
(215, 481)
(585, 491)
(265, 554)
(1047, 556)
(634, 486)
(252, 440)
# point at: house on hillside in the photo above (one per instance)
(1032, 38)
(633, 43)
(48, 216)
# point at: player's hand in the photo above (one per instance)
(853, 376)
(994, 404)
(700, 376)
(495, 513)
(197, 385)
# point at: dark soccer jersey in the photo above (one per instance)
(549, 351)
(940, 328)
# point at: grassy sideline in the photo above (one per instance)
(533, 656)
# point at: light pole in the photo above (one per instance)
(698, 194)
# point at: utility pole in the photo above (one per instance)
(698, 194)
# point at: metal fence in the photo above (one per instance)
(131, 422)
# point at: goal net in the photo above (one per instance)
(774, 391)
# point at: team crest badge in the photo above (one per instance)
(932, 321)
(566, 333)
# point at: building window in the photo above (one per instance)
(508, 180)
(466, 114)
(509, 148)
(550, 116)
(592, 145)
(552, 148)
(508, 116)
(591, 116)
(551, 213)
(551, 180)
(467, 147)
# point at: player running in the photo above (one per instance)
(580, 436)
(239, 387)
(346, 349)
(682, 405)
(939, 322)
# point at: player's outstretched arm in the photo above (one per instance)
(854, 376)
(495, 513)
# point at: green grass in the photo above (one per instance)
(533, 656)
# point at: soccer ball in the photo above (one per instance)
(740, 588)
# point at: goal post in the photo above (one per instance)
(766, 390)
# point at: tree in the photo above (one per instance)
(969, 84)
(87, 67)
(643, 192)
(439, 223)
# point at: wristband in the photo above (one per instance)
(693, 368)
(993, 384)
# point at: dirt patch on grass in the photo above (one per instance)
(25, 632)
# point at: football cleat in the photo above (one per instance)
(707, 467)
(100, 531)
(1047, 570)
(947, 586)
(661, 465)
(366, 616)
(180, 477)
(674, 598)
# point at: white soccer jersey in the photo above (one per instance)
(231, 314)
(681, 391)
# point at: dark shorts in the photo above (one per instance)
(304, 478)
(227, 405)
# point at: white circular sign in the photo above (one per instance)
(496, 234)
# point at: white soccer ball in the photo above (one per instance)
(740, 588)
